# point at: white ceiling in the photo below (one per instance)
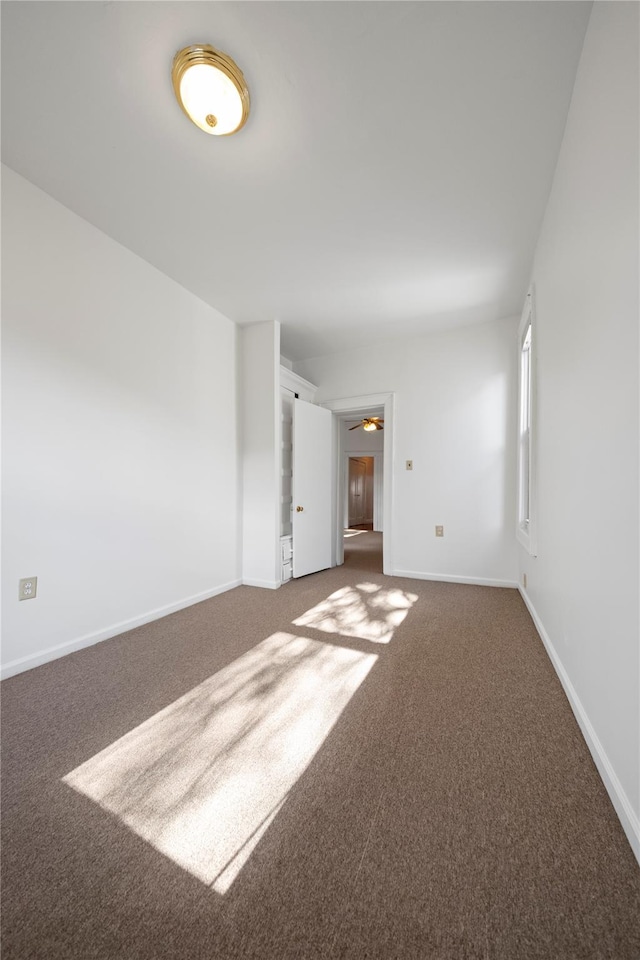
(391, 178)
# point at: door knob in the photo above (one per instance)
(299, 509)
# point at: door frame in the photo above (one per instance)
(343, 409)
(377, 458)
(355, 479)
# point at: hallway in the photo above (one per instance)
(363, 550)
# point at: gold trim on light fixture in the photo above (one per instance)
(219, 119)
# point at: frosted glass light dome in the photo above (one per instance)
(211, 89)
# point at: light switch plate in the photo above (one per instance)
(409, 464)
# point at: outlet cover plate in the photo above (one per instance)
(439, 531)
(27, 588)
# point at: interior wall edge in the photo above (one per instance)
(21, 664)
(622, 806)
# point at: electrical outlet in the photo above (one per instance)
(439, 531)
(409, 464)
(27, 588)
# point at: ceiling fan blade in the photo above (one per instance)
(379, 426)
(356, 426)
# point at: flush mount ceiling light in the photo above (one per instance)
(211, 89)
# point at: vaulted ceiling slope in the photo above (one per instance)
(391, 178)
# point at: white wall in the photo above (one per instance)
(120, 454)
(260, 352)
(454, 417)
(583, 586)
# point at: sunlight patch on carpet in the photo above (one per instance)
(366, 611)
(203, 779)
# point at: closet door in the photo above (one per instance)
(312, 455)
(357, 477)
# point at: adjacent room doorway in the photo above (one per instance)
(348, 408)
(360, 493)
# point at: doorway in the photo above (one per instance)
(362, 537)
(348, 409)
(360, 493)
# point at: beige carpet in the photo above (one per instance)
(363, 550)
(353, 766)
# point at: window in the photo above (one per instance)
(526, 426)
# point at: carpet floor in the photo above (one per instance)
(353, 766)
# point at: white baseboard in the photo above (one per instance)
(53, 653)
(626, 814)
(265, 584)
(445, 578)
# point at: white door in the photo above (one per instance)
(312, 516)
